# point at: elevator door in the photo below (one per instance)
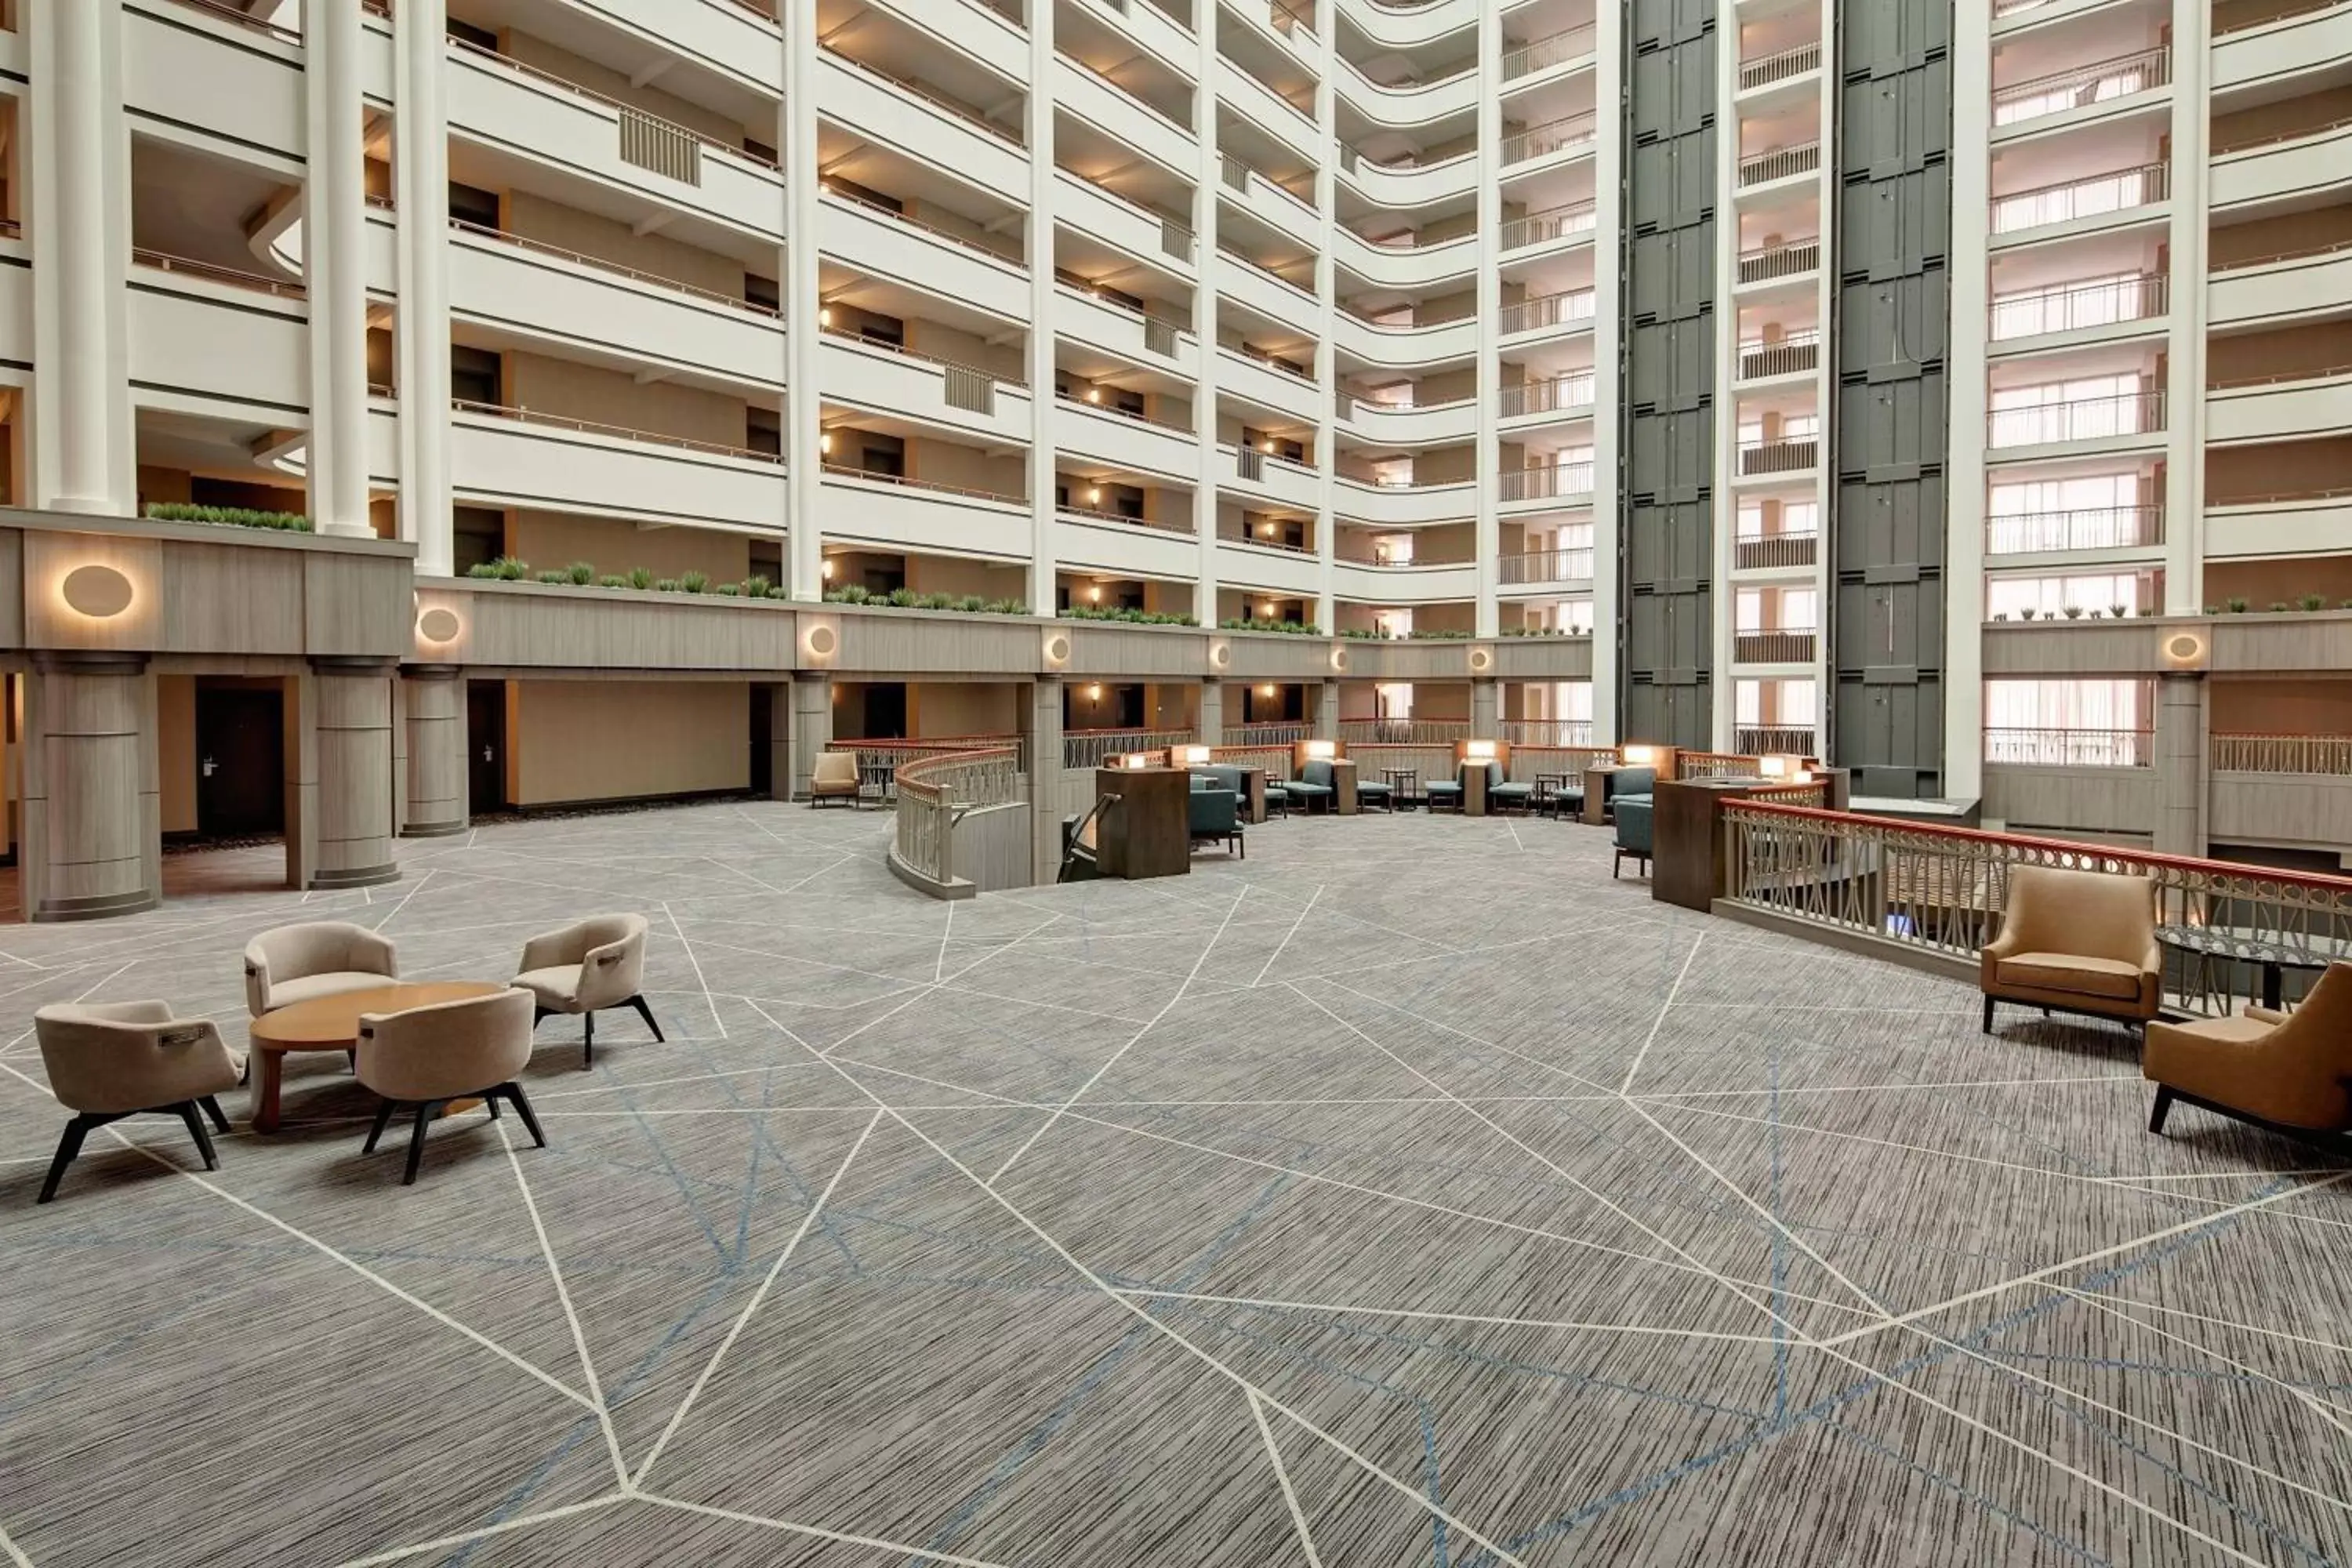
(486, 746)
(240, 760)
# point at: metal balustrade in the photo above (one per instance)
(1544, 566)
(1780, 163)
(2328, 754)
(1271, 733)
(1779, 456)
(1768, 69)
(590, 426)
(936, 793)
(2080, 419)
(1942, 890)
(2070, 307)
(1539, 484)
(186, 267)
(1553, 136)
(2080, 528)
(1090, 748)
(598, 263)
(1784, 358)
(1547, 310)
(1781, 645)
(1540, 737)
(2118, 76)
(1404, 731)
(2052, 747)
(1543, 228)
(1774, 740)
(1547, 52)
(879, 759)
(1765, 550)
(1547, 396)
(2071, 199)
(1790, 260)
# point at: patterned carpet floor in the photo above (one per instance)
(1410, 1194)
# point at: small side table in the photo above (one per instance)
(2208, 942)
(332, 1023)
(1403, 783)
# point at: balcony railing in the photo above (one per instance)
(1762, 168)
(894, 215)
(1547, 52)
(1773, 740)
(1357, 552)
(211, 8)
(1553, 136)
(163, 261)
(1783, 645)
(1790, 260)
(2070, 748)
(2083, 85)
(1787, 457)
(1551, 482)
(1552, 224)
(1547, 310)
(598, 263)
(2071, 199)
(1089, 748)
(1942, 891)
(928, 486)
(1542, 735)
(1228, 337)
(1770, 68)
(1547, 396)
(1791, 549)
(1181, 427)
(932, 96)
(1270, 732)
(2082, 528)
(2083, 419)
(2328, 754)
(879, 760)
(590, 426)
(2070, 307)
(1547, 566)
(634, 121)
(1404, 731)
(935, 794)
(1788, 357)
(1127, 520)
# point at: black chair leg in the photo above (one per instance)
(382, 1119)
(522, 1108)
(2163, 1108)
(490, 1104)
(425, 1115)
(213, 1110)
(189, 1114)
(1988, 1015)
(646, 1012)
(68, 1151)
(587, 1041)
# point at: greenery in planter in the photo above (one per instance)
(666, 585)
(2314, 600)
(728, 590)
(756, 587)
(2278, 606)
(2073, 612)
(907, 599)
(581, 573)
(552, 575)
(228, 516)
(2026, 613)
(611, 582)
(2235, 606)
(693, 582)
(505, 568)
(2000, 615)
(2121, 611)
(1296, 628)
(640, 578)
(1421, 634)
(1121, 613)
(1539, 632)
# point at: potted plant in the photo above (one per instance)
(2314, 600)
(2120, 610)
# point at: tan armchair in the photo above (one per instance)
(426, 1057)
(585, 968)
(106, 1060)
(834, 777)
(2283, 1070)
(2075, 941)
(325, 958)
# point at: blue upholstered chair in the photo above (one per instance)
(1374, 791)
(1313, 788)
(1504, 796)
(1632, 832)
(1628, 784)
(1444, 794)
(1213, 814)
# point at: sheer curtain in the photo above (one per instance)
(2091, 511)
(2068, 724)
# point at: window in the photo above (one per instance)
(466, 33)
(758, 291)
(2063, 306)
(477, 376)
(2067, 724)
(1574, 616)
(866, 194)
(2091, 511)
(472, 204)
(2084, 198)
(1394, 700)
(478, 536)
(2084, 591)
(885, 455)
(1796, 517)
(763, 431)
(2079, 410)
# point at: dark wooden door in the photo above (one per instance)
(240, 760)
(486, 746)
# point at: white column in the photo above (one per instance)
(85, 454)
(1608, 321)
(1964, 463)
(334, 265)
(2184, 390)
(1723, 689)
(1206, 174)
(1326, 317)
(1043, 309)
(1488, 453)
(421, 151)
(804, 432)
(1825, 392)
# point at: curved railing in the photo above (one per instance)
(935, 796)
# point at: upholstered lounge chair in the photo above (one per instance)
(1315, 788)
(1444, 794)
(2290, 1070)
(586, 968)
(106, 1060)
(1374, 791)
(1504, 796)
(1213, 813)
(834, 778)
(426, 1057)
(322, 958)
(2075, 941)
(1634, 839)
(1628, 784)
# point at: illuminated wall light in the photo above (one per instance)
(1478, 751)
(1640, 756)
(1094, 495)
(1093, 693)
(1322, 751)
(1095, 594)
(101, 593)
(1193, 756)
(1266, 690)
(1802, 775)
(1094, 395)
(824, 315)
(823, 640)
(439, 625)
(825, 443)
(1773, 767)
(828, 569)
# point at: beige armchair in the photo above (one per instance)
(325, 958)
(2075, 941)
(585, 968)
(106, 1060)
(834, 777)
(2283, 1069)
(426, 1057)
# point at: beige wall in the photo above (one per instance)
(956, 708)
(549, 539)
(952, 574)
(613, 84)
(2241, 242)
(2281, 707)
(1440, 699)
(593, 739)
(571, 391)
(1002, 360)
(553, 223)
(175, 748)
(2286, 581)
(948, 463)
(2306, 349)
(2277, 468)
(1445, 465)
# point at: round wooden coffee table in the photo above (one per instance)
(332, 1023)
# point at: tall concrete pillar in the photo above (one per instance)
(420, 158)
(334, 240)
(810, 729)
(339, 817)
(93, 827)
(2180, 742)
(433, 736)
(1211, 725)
(1485, 710)
(85, 449)
(804, 299)
(779, 697)
(1326, 717)
(1040, 727)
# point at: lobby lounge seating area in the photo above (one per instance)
(1412, 1185)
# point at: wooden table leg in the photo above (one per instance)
(267, 1068)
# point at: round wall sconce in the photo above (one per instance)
(1093, 693)
(1340, 658)
(822, 641)
(101, 593)
(1058, 648)
(439, 625)
(2184, 650)
(1221, 654)
(1482, 659)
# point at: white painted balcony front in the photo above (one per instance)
(1402, 506)
(1405, 347)
(1246, 375)
(2280, 288)
(15, 298)
(984, 31)
(1553, 57)
(2113, 200)
(521, 111)
(229, 76)
(893, 381)
(1289, 29)
(1407, 266)
(212, 332)
(2280, 526)
(1131, 335)
(1160, 238)
(721, 37)
(1568, 226)
(1097, 99)
(513, 457)
(2283, 46)
(1554, 143)
(1405, 583)
(383, 240)
(1403, 187)
(1268, 111)
(1238, 277)
(1271, 204)
(1410, 27)
(2284, 407)
(1263, 477)
(1091, 541)
(890, 245)
(600, 308)
(924, 125)
(1158, 34)
(2299, 167)
(1412, 104)
(1546, 488)
(1243, 564)
(909, 514)
(1394, 425)
(1127, 441)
